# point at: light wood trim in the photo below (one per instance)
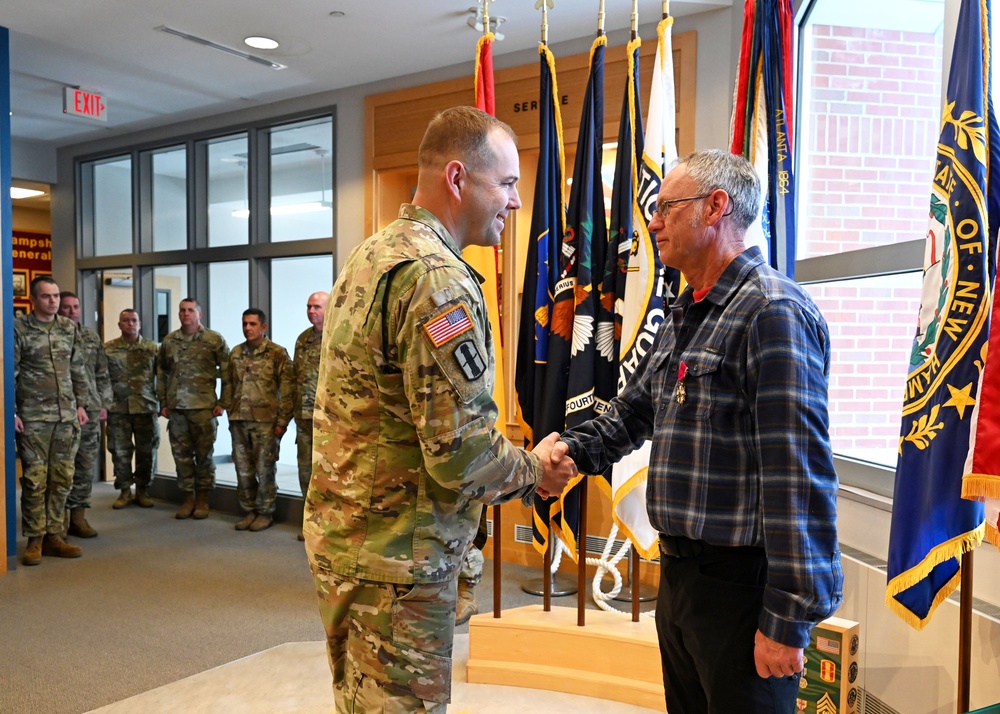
(611, 658)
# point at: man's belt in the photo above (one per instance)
(681, 547)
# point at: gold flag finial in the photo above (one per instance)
(545, 6)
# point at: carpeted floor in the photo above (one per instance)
(177, 607)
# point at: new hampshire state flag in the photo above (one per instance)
(932, 525)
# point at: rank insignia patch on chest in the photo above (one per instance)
(472, 363)
(449, 325)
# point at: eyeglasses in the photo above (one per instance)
(663, 207)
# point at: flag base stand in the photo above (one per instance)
(562, 585)
(646, 593)
(611, 658)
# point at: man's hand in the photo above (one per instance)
(81, 414)
(279, 431)
(165, 413)
(774, 659)
(217, 411)
(103, 416)
(18, 425)
(557, 466)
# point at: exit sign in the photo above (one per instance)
(82, 103)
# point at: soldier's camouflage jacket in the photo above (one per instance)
(132, 367)
(187, 367)
(50, 379)
(261, 385)
(405, 452)
(95, 363)
(306, 364)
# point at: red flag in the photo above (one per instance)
(485, 96)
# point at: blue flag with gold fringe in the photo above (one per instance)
(931, 524)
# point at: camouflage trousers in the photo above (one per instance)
(83, 468)
(472, 567)
(192, 441)
(255, 452)
(130, 434)
(304, 445)
(389, 646)
(47, 451)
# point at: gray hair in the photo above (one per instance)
(714, 168)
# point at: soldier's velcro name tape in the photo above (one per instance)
(448, 326)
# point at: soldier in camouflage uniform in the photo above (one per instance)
(405, 450)
(259, 397)
(306, 367)
(133, 424)
(98, 398)
(190, 361)
(306, 364)
(50, 392)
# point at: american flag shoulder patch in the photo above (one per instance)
(449, 325)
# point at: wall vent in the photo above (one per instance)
(870, 704)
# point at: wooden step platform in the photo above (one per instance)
(609, 658)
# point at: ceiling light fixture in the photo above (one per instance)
(261, 43)
(222, 48)
(16, 192)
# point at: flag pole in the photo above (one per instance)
(600, 20)
(965, 634)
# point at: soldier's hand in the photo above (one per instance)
(556, 471)
(103, 415)
(217, 410)
(18, 425)
(81, 414)
(165, 413)
(279, 431)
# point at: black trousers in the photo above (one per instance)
(706, 618)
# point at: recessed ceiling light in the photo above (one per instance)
(261, 43)
(16, 192)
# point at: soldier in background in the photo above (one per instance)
(190, 361)
(98, 398)
(50, 395)
(133, 426)
(259, 396)
(306, 367)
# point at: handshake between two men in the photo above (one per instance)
(558, 468)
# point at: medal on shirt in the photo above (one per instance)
(680, 391)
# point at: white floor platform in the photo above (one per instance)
(294, 678)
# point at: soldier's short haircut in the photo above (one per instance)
(67, 293)
(191, 299)
(461, 133)
(38, 281)
(258, 312)
(128, 309)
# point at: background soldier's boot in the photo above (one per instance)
(246, 521)
(466, 606)
(201, 505)
(142, 498)
(187, 508)
(124, 498)
(33, 551)
(78, 525)
(262, 521)
(53, 544)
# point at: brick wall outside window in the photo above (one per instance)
(870, 130)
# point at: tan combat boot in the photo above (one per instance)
(201, 505)
(142, 498)
(33, 551)
(262, 521)
(466, 606)
(53, 544)
(124, 498)
(246, 521)
(187, 508)
(78, 525)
